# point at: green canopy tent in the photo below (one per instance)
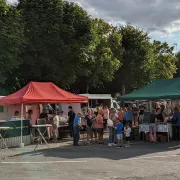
(158, 89)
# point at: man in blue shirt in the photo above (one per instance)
(76, 126)
(119, 127)
(128, 116)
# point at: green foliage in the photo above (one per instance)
(137, 59)
(57, 32)
(103, 56)
(165, 61)
(142, 60)
(54, 40)
(177, 74)
(11, 40)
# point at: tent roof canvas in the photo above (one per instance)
(158, 89)
(42, 92)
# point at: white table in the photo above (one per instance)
(42, 134)
(2, 140)
(167, 128)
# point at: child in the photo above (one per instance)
(119, 127)
(128, 134)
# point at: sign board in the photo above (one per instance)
(15, 130)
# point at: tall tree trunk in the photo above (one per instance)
(123, 90)
(123, 93)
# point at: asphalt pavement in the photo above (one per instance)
(142, 161)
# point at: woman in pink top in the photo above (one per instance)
(99, 126)
(121, 114)
(105, 116)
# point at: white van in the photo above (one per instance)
(98, 99)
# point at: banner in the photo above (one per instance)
(15, 130)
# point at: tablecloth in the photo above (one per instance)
(159, 128)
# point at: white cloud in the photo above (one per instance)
(157, 16)
(152, 15)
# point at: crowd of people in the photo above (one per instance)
(117, 123)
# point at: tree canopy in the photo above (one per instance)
(11, 39)
(165, 61)
(103, 56)
(55, 40)
(56, 32)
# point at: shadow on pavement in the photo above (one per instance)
(68, 151)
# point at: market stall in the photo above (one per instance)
(36, 93)
(157, 90)
(163, 89)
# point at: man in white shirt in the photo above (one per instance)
(56, 120)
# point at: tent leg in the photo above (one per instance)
(22, 112)
(150, 106)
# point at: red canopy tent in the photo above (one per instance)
(42, 92)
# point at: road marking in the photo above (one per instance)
(150, 157)
(43, 162)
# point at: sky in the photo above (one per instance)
(161, 18)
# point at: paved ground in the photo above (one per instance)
(141, 161)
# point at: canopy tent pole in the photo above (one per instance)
(22, 115)
(151, 106)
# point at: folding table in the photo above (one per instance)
(42, 134)
(2, 140)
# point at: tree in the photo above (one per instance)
(103, 56)
(57, 33)
(177, 74)
(12, 41)
(165, 61)
(136, 61)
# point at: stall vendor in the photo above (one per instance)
(16, 116)
(56, 120)
(43, 115)
(29, 116)
(160, 119)
(159, 116)
(176, 124)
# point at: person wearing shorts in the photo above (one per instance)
(88, 121)
(119, 127)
